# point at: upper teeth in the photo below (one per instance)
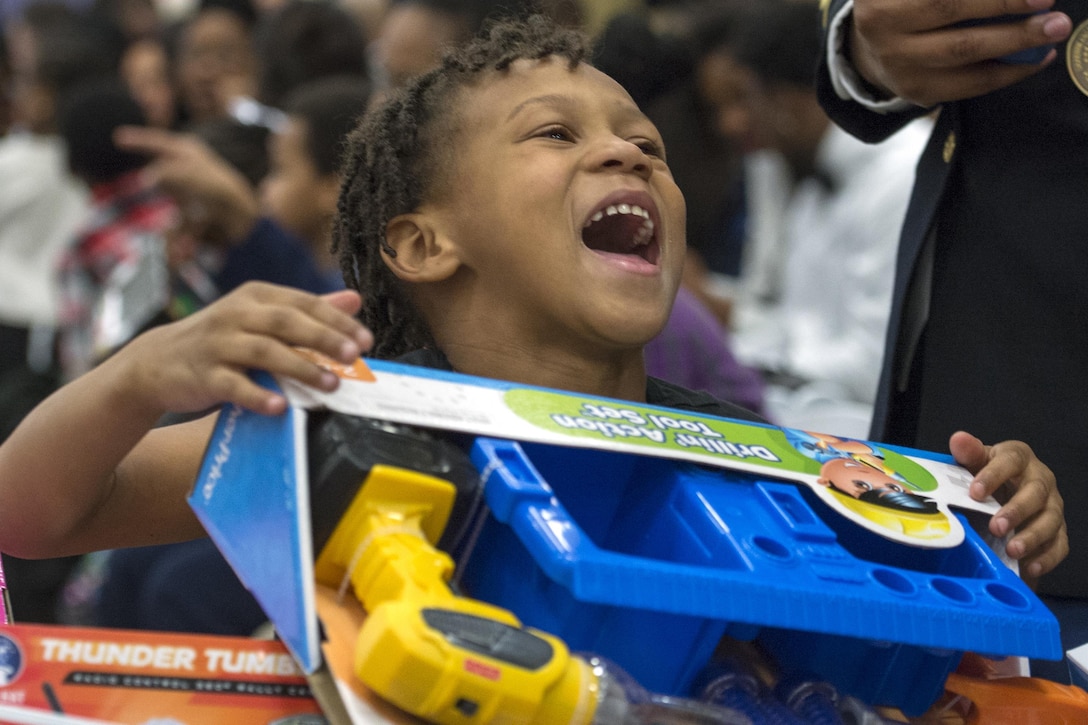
(644, 234)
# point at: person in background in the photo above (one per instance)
(722, 89)
(5, 87)
(695, 350)
(214, 58)
(189, 586)
(115, 280)
(145, 69)
(819, 344)
(136, 19)
(412, 36)
(14, 10)
(51, 49)
(304, 41)
(303, 184)
(989, 324)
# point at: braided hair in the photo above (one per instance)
(393, 161)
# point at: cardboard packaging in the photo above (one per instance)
(253, 498)
(133, 678)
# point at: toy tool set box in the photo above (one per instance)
(652, 562)
(645, 534)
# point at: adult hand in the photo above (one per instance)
(1031, 504)
(920, 51)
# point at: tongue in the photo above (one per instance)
(614, 234)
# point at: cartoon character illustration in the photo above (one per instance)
(858, 476)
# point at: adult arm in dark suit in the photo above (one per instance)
(919, 52)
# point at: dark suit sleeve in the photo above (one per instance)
(854, 118)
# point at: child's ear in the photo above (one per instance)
(415, 250)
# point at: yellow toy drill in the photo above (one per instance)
(443, 657)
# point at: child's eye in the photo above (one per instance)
(557, 133)
(650, 148)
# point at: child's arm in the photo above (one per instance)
(1030, 500)
(86, 470)
(218, 203)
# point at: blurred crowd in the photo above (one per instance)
(155, 154)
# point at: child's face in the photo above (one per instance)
(32, 103)
(215, 61)
(563, 210)
(856, 478)
(145, 68)
(294, 193)
(728, 87)
(410, 40)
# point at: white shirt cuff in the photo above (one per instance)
(844, 79)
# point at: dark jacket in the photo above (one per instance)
(1000, 193)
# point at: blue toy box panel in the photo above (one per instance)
(650, 562)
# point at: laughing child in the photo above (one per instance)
(510, 214)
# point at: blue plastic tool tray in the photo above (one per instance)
(650, 561)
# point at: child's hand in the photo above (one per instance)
(218, 203)
(1031, 503)
(202, 360)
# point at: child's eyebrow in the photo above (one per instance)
(560, 100)
(552, 99)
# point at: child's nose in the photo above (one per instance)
(622, 155)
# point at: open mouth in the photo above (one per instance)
(622, 229)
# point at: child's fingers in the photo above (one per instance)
(992, 465)
(1023, 484)
(231, 383)
(264, 353)
(1037, 533)
(337, 336)
(1006, 462)
(347, 301)
(1031, 496)
(239, 389)
(297, 318)
(1033, 506)
(1008, 459)
(205, 359)
(969, 451)
(1042, 556)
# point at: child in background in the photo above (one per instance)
(114, 277)
(189, 587)
(303, 182)
(298, 184)
(510, 215)
(212, 172)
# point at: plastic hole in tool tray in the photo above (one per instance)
(650, 561)
(952, 591)
(1008, 596)
(771, 547)
(894, 582)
